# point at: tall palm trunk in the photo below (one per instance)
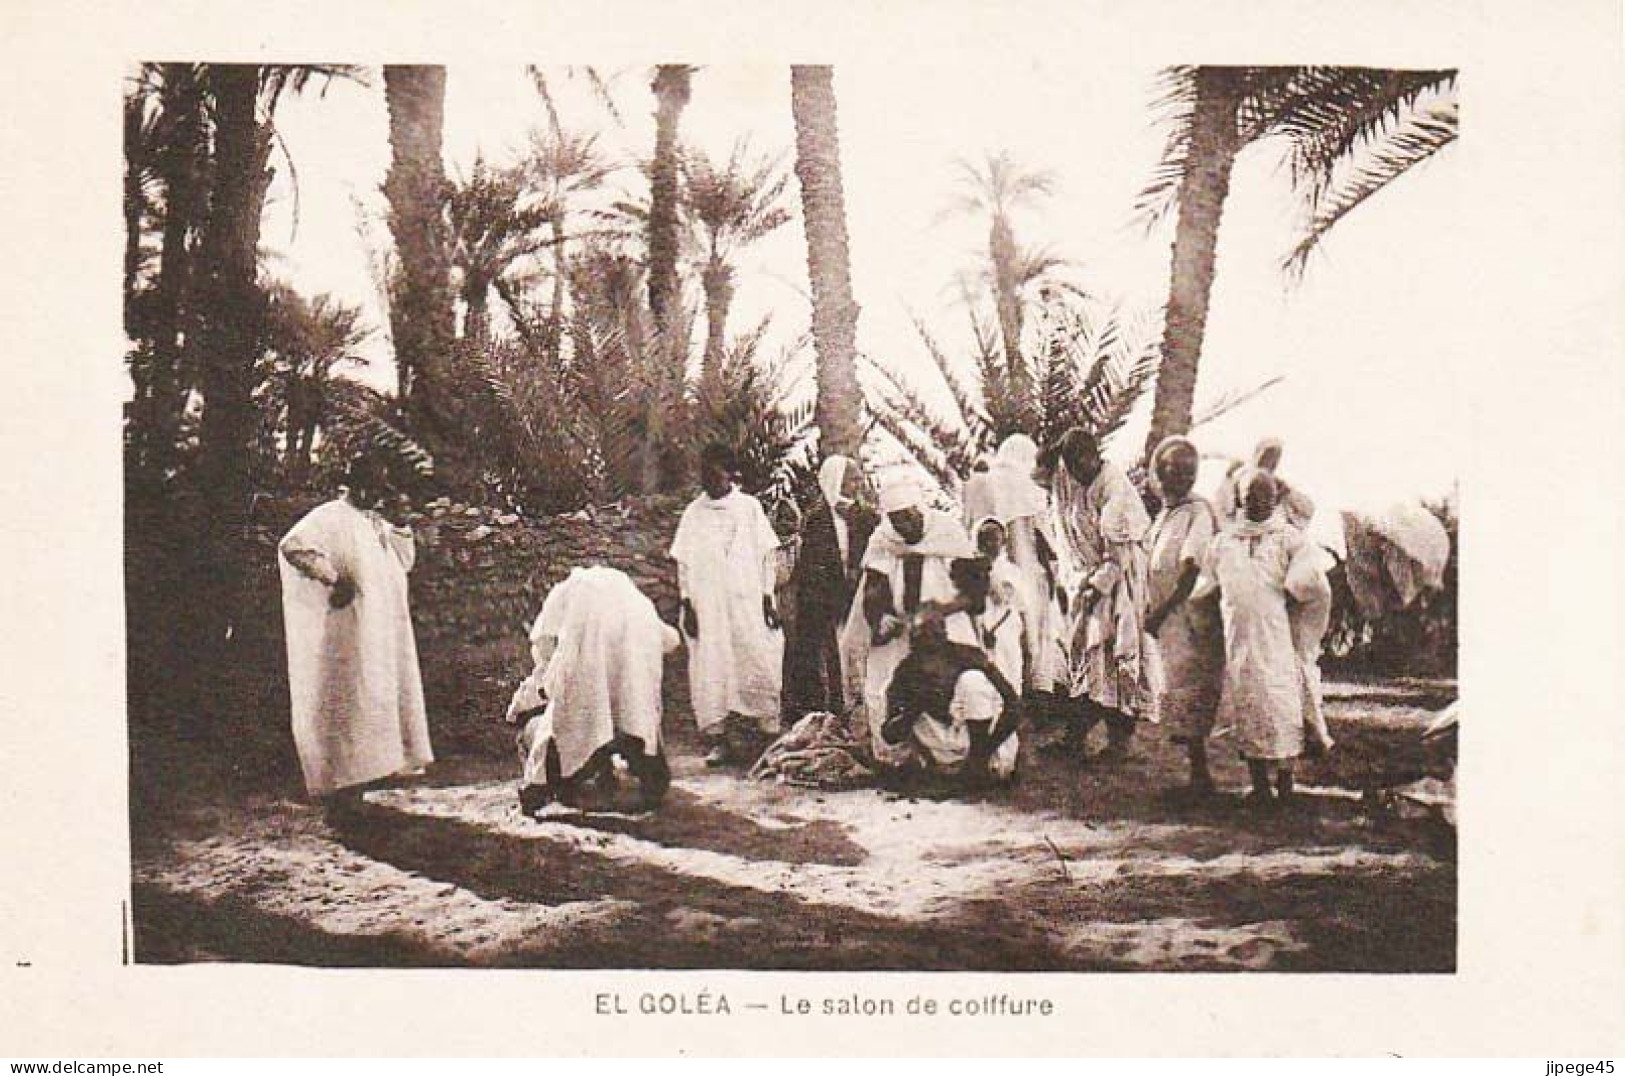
(227, 343)
(1203, 189)
(1007, 300)
(823, 208)
(671, 89)
(561, 274)
(421, 318)
(182, 167)
(231, 303)
(717, 279)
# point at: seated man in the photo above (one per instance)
(949, 701)
(594, 694)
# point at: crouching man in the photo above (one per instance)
(950, 702)
(594, 694)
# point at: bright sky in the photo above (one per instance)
(1368, 342)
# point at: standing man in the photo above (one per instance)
(1265, 571)
(726, 571)
(353, 674)
(1104, 527)
(1187, 628)
(824, 581)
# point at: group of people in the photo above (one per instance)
(1058, 594)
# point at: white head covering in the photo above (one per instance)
(899, 492)
(1264, 445)
(831, 476)
(1014, 494)
(1019, 452)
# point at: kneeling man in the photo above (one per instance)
(599, 648)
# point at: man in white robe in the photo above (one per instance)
(594, 692)
(1273, 596)
(1016, 500)
(353, 678)
(727, 573)
(906, 565)
(1104, 526)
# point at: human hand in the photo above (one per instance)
(769, 614)
(890, 628)
(343, 592)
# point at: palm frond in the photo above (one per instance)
(1173, 107)
(1229, 401)
(1417, 138)
(969, 410)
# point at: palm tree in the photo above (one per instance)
(560, 168)
(733, 206)
(994, 188)
(1346, 132)
(421, 315)
(169, 144)
(829, 269)
(307, 341)
(672, 86)
(229, 302)
(490, 232)
(1093, 366)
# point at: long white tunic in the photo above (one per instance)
(598, 647)
(352, 673)
(1266, 694)
(871, 667)
(724, 550)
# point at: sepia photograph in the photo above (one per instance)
(846, 517)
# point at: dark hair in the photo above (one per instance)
(717, 454)
(367, 470)
(1077, 444)
(965, 572)
(1182, 449)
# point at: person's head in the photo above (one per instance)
(1258, 494)
(718, 466)
(990, 538)
(1175, 465)
(903, 505)
(972, 577)
(1080, 453)
(1267, 456)
(1019, 453)
(367, 481)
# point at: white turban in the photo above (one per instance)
(900, 492)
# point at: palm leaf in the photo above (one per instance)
(1416, 139)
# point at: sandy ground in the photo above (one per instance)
(1074, 869)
